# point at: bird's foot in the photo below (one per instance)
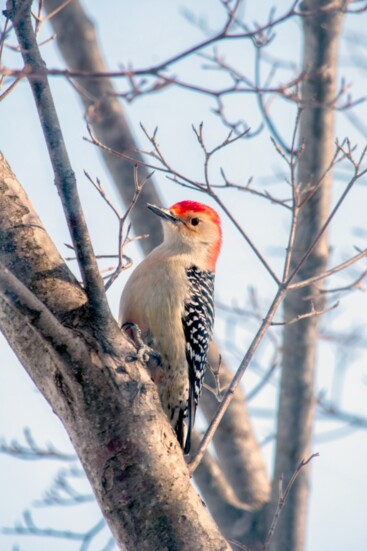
(144, 353)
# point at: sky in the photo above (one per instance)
(143, 33)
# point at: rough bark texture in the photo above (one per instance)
(296, 400)
(109, 408)
(240, 456)
(26, 248)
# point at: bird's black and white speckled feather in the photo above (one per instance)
(169, 296)
(197, 323)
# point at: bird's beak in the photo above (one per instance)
(163, 213)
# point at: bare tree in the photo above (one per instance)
(296, 401)
(91, 377)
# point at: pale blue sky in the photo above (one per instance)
(143, 33)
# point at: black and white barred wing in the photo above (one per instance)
(197, 322)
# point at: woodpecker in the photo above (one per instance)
(170, 298)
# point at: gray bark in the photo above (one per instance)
(240, 456)
(76, 357)
(134, 466)
(109, 408)
(296, 400)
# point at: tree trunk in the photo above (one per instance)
(79, 360)
(240, 456)
(109, 408)
(296, 400)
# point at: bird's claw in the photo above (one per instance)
(145, 353)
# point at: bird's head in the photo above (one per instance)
(194, 226)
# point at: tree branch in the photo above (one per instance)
(21, 234)
(194, 462)
(240, 457)
(135, 467)
(34, 312)
(308, 260)
(77, 41)
(219, 495)
(64, 176)
(283, 498)
(222, 35)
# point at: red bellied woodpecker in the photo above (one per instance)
(170, 297)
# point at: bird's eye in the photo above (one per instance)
(195, 221)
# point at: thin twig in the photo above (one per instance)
(10, 88)
(238, 544)
(356, 284)
(265, 379)
(38, 18)
(357, 176)
(246, 237)
(327, 273)
(2, 43)
(29, 527)
(32, 451)
(64, 175)
(310, 314)
(56, 11)
(205, 187)
(215, 371)
(124, 262)
(283, 498)
(249, 189)
(222, 35)
(283, 288)
(194, 462)
(263, 111)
